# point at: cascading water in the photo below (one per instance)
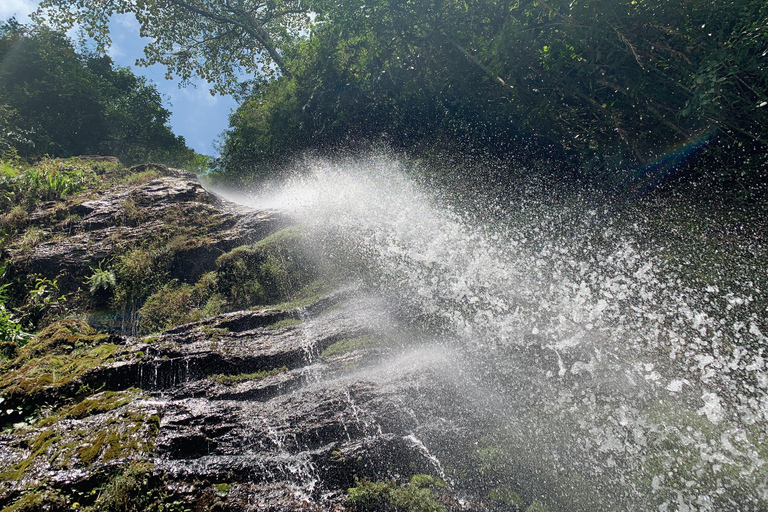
(598, 372)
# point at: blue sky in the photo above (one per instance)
(196, 115)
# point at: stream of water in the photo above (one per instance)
(602, 373)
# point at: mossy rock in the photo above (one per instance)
(61, 337)
(270, 271)
(102, 428)
(421, 494)
(52, 364)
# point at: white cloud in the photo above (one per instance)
(115, 51)
(18, 8)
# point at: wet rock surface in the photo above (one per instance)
(245, 401)
(277, 408)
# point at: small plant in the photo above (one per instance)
(102, 280)
(10, 327)
(52, 180)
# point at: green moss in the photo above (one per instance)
(175, 304)
(89, 452)
(223, 489)
(230, 380)
(307, 295)
(54, 359)
(537, 506)
(40, 446)
(271, 271)
(505, 495)
(287, 322)
(141, 177)
(417, 496)
(101, 403)
(39, 499)
(350, 344)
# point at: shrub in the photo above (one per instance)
(417, 496)
(101, 280)
(268, 272)
(14, 219)
(170, 305)
(175, 304)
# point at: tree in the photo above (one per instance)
(595, 84)
(213, 39)
(58, 102)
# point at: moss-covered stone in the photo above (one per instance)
(54, 360)
(417, 496)
(104, 431)
(268, 272)
(38, 500)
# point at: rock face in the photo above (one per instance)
(77, 234)
(257, 402)
(281, 408)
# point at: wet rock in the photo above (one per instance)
(78, 234)
(242, 401)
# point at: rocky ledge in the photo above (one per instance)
(272, 409)
(308, 405)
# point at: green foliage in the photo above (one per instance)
(287, 322)
(417, 496)
(58, 102)
(175, 304)
(49, 180)
(11, 333)
(596, 85)
(505, 495)
(137, 489)
(206, 38)
(53, 360)
(268, 272)
(229, 380)
(101, 280)
(348, 345)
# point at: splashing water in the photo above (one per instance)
(603, 375)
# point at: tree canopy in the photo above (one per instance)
(58, 102)
(594, 84)
(213, 39)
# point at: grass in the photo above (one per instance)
(349, 345)
(230, 380)
(287, 322)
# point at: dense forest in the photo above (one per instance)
(597, 90)
(595, 85)
(59, 102)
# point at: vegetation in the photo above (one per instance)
(134, 487)
(270, 271)
(57, 102)
(348, 345)
(52, 361)
(230, 380)
(592, 86)
(417, 496)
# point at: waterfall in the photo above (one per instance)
(598, 372)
